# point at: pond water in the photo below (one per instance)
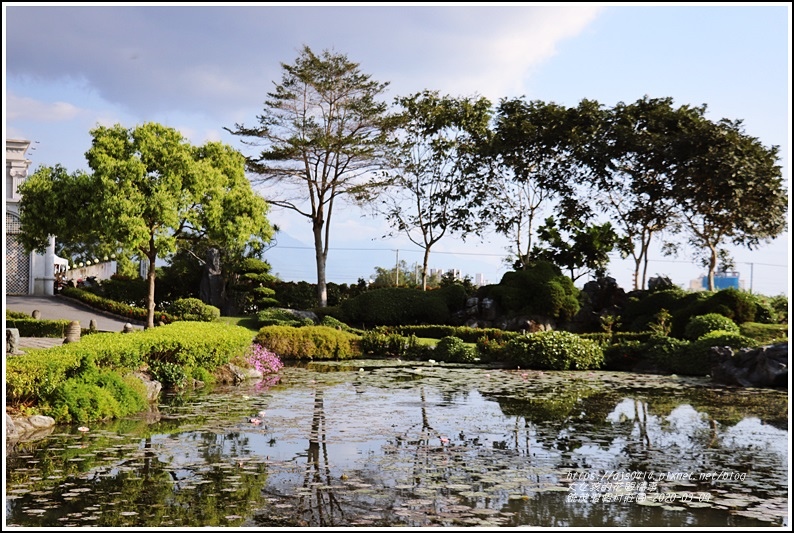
(412, 444)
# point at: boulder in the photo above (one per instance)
(12, 340)
(28, 428)
(766, 366)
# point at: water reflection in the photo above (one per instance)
(403, 444)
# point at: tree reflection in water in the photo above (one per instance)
(318, 502)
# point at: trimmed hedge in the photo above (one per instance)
(309, 342)
(31, 327)
(37, 374)
(394, 306)
(193, 309)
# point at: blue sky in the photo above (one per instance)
(200, 68)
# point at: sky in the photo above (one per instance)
(200, 68)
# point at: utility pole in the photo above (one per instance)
(397, 269)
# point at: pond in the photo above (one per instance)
(385, 443)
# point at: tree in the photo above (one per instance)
(585, 249)
(632, 179)
(149, 189)
(433, 190)
(729, 188)
(532, 162)
(323, 138)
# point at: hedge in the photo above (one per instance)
(309, 342)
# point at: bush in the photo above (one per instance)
(394, 306)
(95, 394)
(624, 356)
(540, 290)
(454, 350)
(275, 316)
(379, 342)
(765, 333)
(554, 350)
(193, 309)
(33, 377)
(30, 327)
(309, 342)
(666, 352)
(700, 325)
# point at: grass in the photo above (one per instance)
(249, 322)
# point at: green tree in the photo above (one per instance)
(632, 174)
(323, 139)
(532, 164)
(400, 275)
(729, 188)
(583, 250)
(149, 190)
(432, 191)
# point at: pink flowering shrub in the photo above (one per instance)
(264, 360)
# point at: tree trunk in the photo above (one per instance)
(320, 254)
(152, 256)
(712, 266)
(425, 261)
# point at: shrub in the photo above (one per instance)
(30, 327)
(540, 290)
(765, 333)
(95, 394)
(554, 350)
(625, 355)
(393, 306)
(263, 360)
(275, 316)
(700, 325)
(15, 314)
(309, 342)
(193, 309)
(490, 349)
(170, 375)
(33, 377)
(380, 342)
(665, 352)
(454, 350)
(332, 322)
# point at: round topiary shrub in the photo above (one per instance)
(554, 350)
(702, 324)
(454, 350)
(193, 309)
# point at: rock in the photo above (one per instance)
(73, 332)
(12, 340)
(301, 314)
(153, 387)
(36, 314)
(28, 428)
(128, 328)
(766, 366)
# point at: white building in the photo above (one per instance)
(24, 273)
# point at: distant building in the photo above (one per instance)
(25, 273)
(722, 280)
(479, 280)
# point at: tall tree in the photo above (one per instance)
(531, 165)
(432, 189)
(729, 188)
(149, 189)
(633, 158)
(323, 139)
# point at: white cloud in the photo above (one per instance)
(25, 108)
